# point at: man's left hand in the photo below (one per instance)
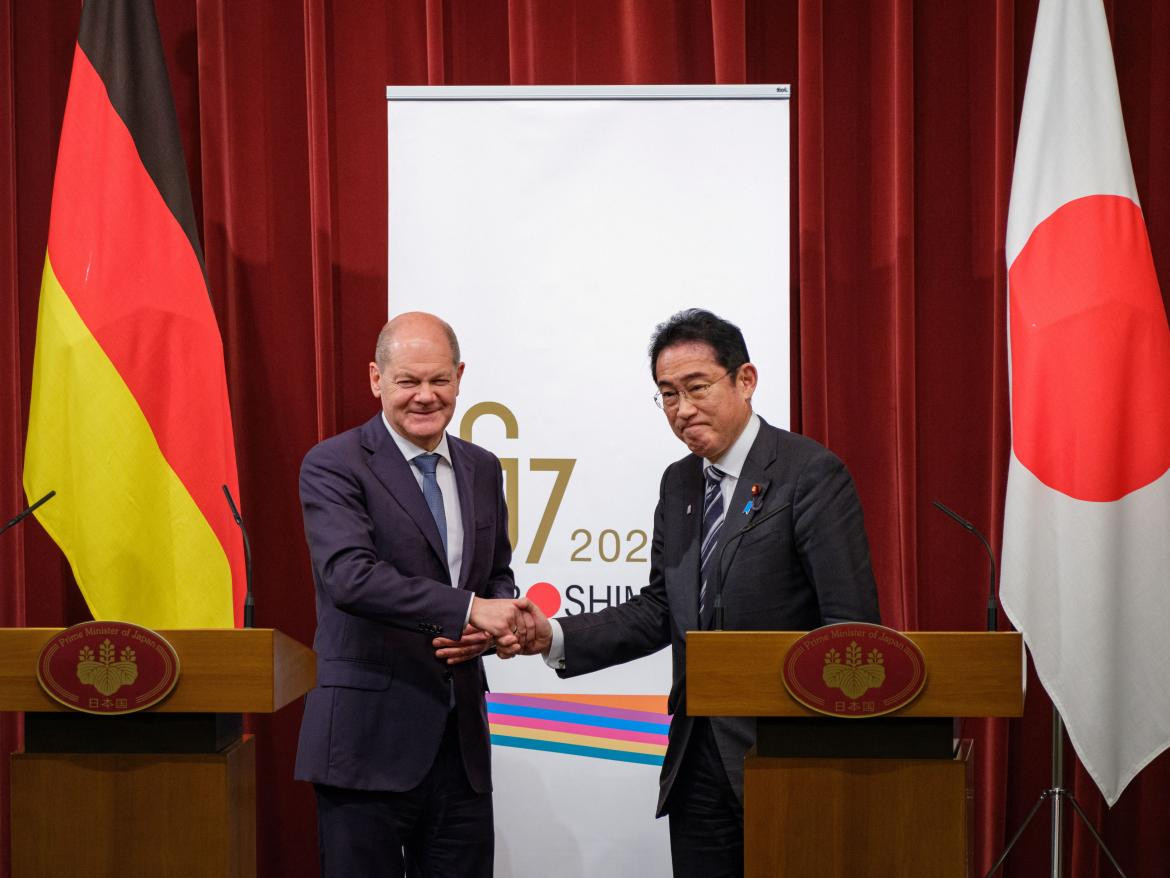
(472, 644)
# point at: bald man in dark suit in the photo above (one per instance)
(408, 534)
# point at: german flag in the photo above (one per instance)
(130, 421)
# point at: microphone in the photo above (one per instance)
(27, 511)
(719, 567)
(248, 603)
(992, 624)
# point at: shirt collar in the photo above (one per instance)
(410, 451)
(734, 458)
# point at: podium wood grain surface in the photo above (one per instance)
(163, 815)
(843, 815)
(166, 814)
(842, 818)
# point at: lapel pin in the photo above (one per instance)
(688, 509)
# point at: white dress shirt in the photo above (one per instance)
(731, 463)
(452, 511)
(733, 460)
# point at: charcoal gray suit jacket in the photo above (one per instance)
(798, 560)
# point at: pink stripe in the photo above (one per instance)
(576, 707)
(527, 722)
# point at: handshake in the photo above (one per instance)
(513, 626)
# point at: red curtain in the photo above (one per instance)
(905, 115)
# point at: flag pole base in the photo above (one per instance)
(1058, 795)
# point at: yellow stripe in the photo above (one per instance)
(139, 546)
(581, 740)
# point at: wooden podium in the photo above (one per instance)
(170, 791)
(877, 796)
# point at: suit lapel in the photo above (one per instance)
(465, 484)
(691, 499)
(396, 475)
(755, 472)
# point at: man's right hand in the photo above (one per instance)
(504, 619)
(540, 637)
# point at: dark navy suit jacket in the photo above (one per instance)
(804, 563)
(376, 717)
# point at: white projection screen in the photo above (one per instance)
(554, 227)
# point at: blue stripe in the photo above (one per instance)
(582, 719)
(576, 750)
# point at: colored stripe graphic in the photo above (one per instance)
(579, 740)
(583, 718)
(593, 708)
(130, 422)
(573, 750)
(578, 729)
(599, 728)
(653, 704)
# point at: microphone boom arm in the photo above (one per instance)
(992, 612)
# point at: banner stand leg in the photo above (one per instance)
(1057, 794)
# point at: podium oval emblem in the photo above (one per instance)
(108, 667)
(854, 670)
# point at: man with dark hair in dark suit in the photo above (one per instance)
(804, 563)
(408, 534)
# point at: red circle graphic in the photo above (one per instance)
(545, 596)
(1090, 352)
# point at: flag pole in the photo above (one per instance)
(1056, 840)
(1057, 794)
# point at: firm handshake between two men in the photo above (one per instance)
(511, 627)
(399, 754)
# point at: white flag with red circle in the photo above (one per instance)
(1086, 545)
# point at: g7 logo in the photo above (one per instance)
(562, 466)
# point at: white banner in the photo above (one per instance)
(554, 232)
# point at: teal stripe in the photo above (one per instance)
(576, 750)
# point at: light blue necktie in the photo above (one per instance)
(712, 524)
(427, 464)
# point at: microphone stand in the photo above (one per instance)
(249, 605)
(1057, 793)
(992, 621)
(27, 511)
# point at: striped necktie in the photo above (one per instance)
(712, 524)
